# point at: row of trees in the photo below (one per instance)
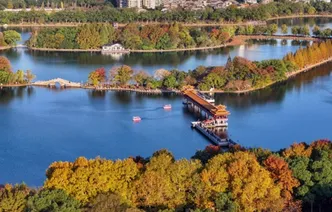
(110, 14)
(238, 74)
(310, 55)
(292, 179)
(7, 76)
(16, 4)
(132, 36)
(327, 32)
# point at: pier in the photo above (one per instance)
(216, 117)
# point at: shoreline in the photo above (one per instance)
(300, 16)
(288, 76)
(236, 41)
(164, 91)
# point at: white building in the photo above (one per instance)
(250, 1)
(114, 48)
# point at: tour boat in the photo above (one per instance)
(167, 107)
(137, 119)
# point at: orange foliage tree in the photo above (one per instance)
(282, 175)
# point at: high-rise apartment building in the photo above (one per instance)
(150, 4)
(130, 3)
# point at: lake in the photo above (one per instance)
(42, 125)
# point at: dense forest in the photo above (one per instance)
(237, 75)
(110, 14)
(132, 36)
(137, 37)
(255, 179)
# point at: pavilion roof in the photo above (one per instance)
(219, 110)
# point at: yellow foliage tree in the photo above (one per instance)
(251, 185)
(84, 179)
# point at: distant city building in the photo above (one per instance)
(122, 3)
(135, 3)
(149, 4)
(250, 1)
(129, 3)
(198, 4)
(216, 4)
(266, 1)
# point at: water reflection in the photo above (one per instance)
(9, 94)
(311, 21)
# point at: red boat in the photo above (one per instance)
(137, 119)
(167, 107)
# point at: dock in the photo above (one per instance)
(215, 117)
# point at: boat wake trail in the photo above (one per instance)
(156, 118)
(130, 111)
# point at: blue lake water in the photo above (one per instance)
(41, 125)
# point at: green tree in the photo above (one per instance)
(11, 37)
(19, 76)
(109, 202)
(122, 75)
(284, 29)
(272, 29)
(10, 4)
(141, 77)
(52, 201)
(170, 82)
(224, 202)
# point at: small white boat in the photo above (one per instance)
(137, 119)
(167, 107)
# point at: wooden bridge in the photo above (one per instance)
(216, 117)
(62, 82)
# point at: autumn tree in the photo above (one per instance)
(141, 77)
(241, 174)
(107, 176)
(282, 175)
(13, 198)
(121, 75)
(108, 202)
(29, 76)
(160, 74)
(297, 150)
(97, 76)
(166, 182)
(5, 64)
